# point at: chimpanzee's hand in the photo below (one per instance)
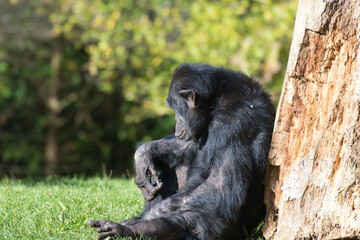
(110, 229)
(146, 176)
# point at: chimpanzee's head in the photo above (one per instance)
(190, 92)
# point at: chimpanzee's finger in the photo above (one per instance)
(107, 234)
(152, 171)
(155, 176)
(151, 188)
(104, 229)
(142, 176)
(158, 184)
(149, 191)
(94, 223)
(146, 194)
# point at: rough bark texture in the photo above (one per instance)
(313, 181)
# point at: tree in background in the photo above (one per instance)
(82, 83)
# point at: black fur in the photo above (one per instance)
(212, 171)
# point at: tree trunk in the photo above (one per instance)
(53, 104)
(313, 180)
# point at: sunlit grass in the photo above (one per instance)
(59, 208)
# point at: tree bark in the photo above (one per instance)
(313, 180)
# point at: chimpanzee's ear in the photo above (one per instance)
(189, 96)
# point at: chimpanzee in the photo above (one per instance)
(212, 169)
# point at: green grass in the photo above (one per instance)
(59, 208)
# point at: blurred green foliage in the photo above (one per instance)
(116, 60)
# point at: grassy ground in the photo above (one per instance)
(59, 208)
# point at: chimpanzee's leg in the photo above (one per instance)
(158, 228)
(195, 224)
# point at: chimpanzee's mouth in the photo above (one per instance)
(182, 132)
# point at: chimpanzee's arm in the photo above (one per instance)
(168, 153)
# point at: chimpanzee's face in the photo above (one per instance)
(192, 117)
